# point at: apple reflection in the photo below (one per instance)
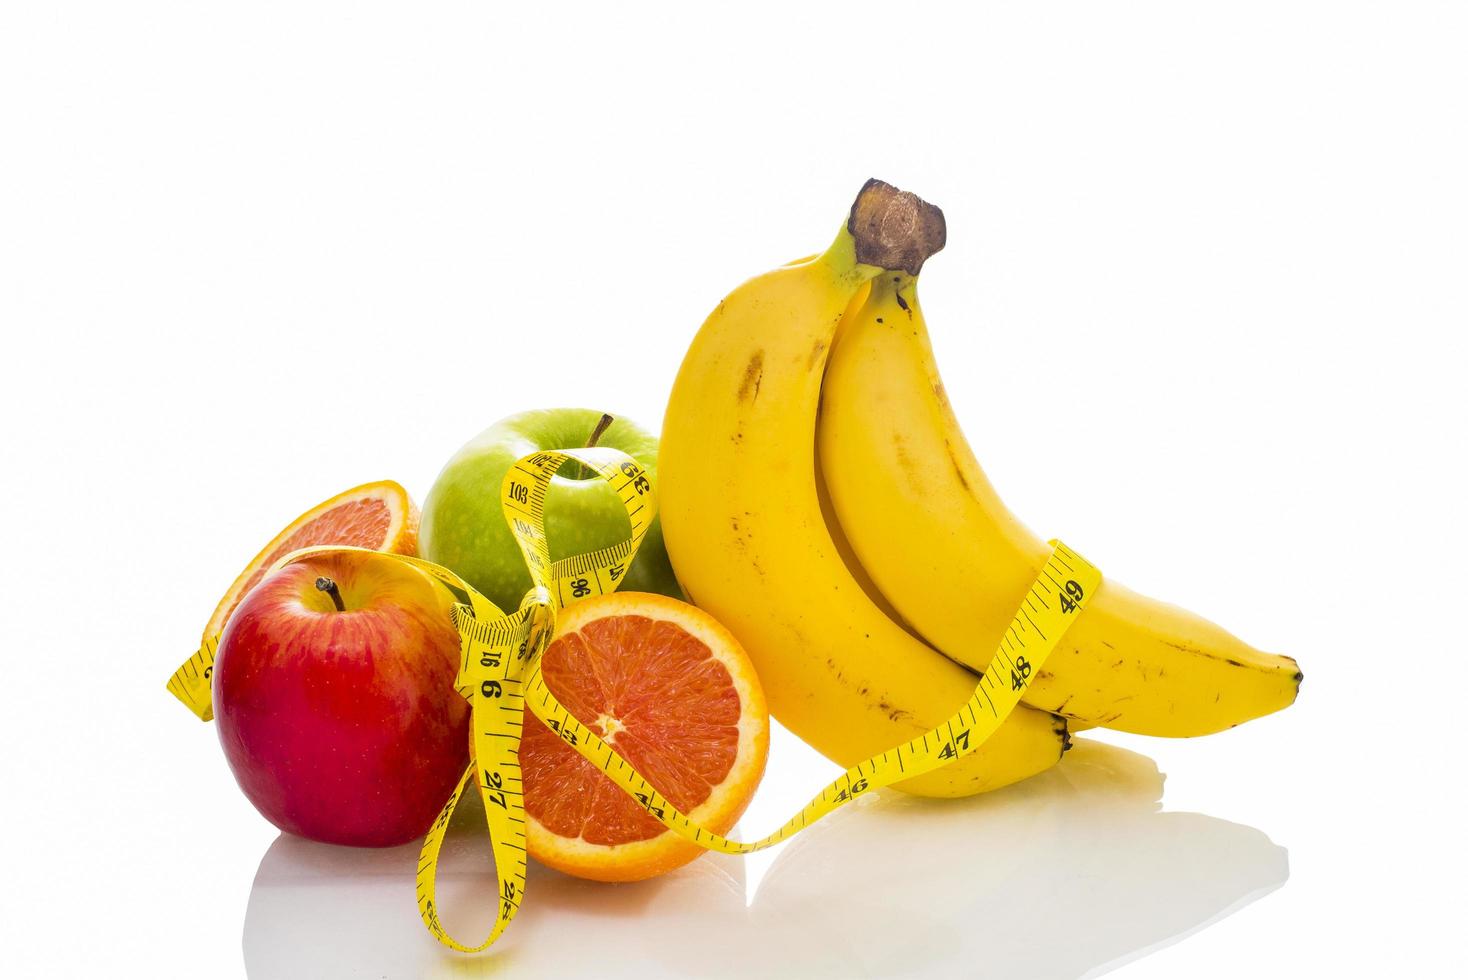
(1067, 874)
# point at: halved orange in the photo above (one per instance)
(380, 516)
(676, 696)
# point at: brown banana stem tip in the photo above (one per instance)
(895, 229)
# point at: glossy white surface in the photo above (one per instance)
(894, 885)
(250, 257)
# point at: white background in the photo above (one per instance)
(253, 256)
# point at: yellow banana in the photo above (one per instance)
(950, 557)
(743, 526)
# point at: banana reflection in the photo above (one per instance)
(1061, 876)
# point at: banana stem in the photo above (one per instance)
(894, 229)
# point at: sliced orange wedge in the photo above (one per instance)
(380, 516)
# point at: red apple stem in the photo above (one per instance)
(601, 426)
(329, 587)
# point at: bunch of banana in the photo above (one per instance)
(955, 563)
(832, 516)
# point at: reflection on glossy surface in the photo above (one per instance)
(1066, 875)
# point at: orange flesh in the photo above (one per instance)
(676, 716)
(363, 523)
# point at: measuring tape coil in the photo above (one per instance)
(499, 674)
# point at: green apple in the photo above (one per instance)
(464, 526)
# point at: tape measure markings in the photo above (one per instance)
(959, 741)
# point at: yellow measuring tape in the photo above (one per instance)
(500, 676)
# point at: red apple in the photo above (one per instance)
(335, 702)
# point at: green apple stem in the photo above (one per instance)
(329, 587)
(579, 470)
(601, 426)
